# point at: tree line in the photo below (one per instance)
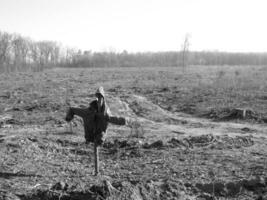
(18, 53)
(22, 53)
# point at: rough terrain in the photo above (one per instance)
(186, 147)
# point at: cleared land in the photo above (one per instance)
(192, 143)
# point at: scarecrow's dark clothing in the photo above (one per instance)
(95, 123)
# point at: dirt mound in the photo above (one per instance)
(119, 190)
(209, 140)
(151, 189)
(143, 108)
(228, 114)
(55, 195)
(62, 190)
(255, 187)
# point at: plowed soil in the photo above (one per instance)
(174, 150)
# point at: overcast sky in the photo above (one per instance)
(141, 25)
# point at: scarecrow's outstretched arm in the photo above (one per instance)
(81, 112)
(124, 121)
(117, 120)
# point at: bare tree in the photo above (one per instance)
(185, 51)
(20, 47)
(5, 47)
(55, 54)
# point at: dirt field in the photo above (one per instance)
(203, 134)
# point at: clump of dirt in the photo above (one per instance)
(219, 142)
(7, 120)
(4, 195)
(187, 108)
(66, 143)
(233, 142)
(121, 144)
(123, 149)
(202, 140)
(257, 185)
(174, 142)
(60, 186)
(157, 144)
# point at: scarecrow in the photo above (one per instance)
(96, 119)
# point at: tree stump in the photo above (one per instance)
(242, 113)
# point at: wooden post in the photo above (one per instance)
(70, 127)
(96, 158)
